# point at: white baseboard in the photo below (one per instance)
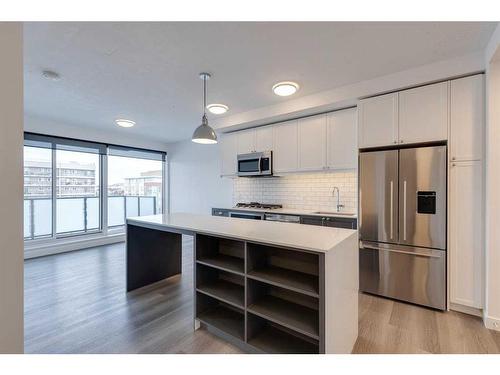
(492, 323)
(70, 244)
(466, 309)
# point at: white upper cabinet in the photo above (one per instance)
(378, 121)
(467, 118)
(264, 138)
(342, 150)
(228, 153)
(466, 233)
(246, 141)
(285, 157)
(312, 143)
(423, 114)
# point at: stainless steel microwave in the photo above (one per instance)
(255, 164)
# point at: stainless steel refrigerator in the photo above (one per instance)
(402, 224)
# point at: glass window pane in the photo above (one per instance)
(37, 192)
(42, 221)
(132, 206)
(133, 178)
(116, 211)
(27, 218)
(77, 178)
(147, 205)
(70, 215)
(93, 213)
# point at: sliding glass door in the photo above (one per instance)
(78, 197)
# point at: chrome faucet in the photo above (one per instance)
(339, 206)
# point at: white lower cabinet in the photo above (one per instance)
(466, 233)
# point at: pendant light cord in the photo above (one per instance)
(204, 94)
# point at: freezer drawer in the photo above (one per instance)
(406, 273)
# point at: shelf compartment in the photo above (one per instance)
(272, 338)
(294, 270)
(220, 315)
(296, 311)
(225, 286)
(221, 253)
(293, 280)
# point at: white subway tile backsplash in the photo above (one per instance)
(311, 191)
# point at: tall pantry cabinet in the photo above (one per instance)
(466, 206)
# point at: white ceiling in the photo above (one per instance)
(148, 72)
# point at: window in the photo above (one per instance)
(135, 184)
(64, 185)
(77, 191)
(37, 192)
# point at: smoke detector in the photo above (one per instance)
(50, 74)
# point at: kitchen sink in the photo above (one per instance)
(333, 213)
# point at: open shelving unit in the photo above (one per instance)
(268, 299)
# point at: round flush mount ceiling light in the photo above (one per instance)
(285, 88)
(50, 74)
(124, 123)
(217, 109)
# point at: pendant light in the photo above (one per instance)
(204, 134)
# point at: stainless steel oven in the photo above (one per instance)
(255, 164)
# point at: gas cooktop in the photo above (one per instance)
(265, 206)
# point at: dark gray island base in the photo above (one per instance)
(152, 255)
(263, 298)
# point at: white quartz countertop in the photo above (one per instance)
(291, 211)
(299, 236)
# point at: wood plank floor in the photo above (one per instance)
(76, 303)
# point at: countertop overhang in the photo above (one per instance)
(305, 237)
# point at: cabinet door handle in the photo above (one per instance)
(453, 158)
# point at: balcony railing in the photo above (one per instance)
(81, 214)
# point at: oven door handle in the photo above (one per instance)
(427, 255)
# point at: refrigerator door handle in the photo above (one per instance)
(404, 210)
(420, 254)
(360, 208)
(392, 212)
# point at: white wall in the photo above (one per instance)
(195, 182)
(11, 188)
(492, 292)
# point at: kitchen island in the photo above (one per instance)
(268, 287)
